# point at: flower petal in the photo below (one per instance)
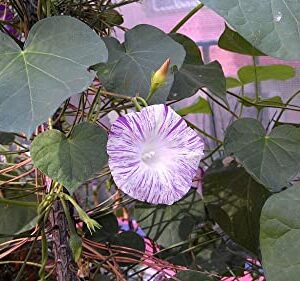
(154, 155)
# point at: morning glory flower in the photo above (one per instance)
(7, 15)
(153, 154)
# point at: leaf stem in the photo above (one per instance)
(68, 216)
(18, 203)
(286, 104)
(187, 17)
(256, 81)
(203, 132)
(136, 104)
(219, 103)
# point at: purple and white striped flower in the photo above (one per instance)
(153, 154)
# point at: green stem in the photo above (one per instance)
(18, 203)
(44, 255)
(21, 262)
(13, 152)
(95, 108)
(115, 95)
(256, 82)
(242, 105)
(142, 101)
(18, 277)
(219, 103)
(68, 216)
(212, 152)
(267, 106)
(150, 94)
(286, 104)
(136, 104)
(203, 132)
(48, 8)
(187, 17)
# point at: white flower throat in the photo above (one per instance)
(149, 157)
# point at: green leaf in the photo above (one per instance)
(201, 106)
(280, 235)
(219, 256)
(193, 53)
(191, 275)
(70, 161)
(271, 26)
(168, 225)
(190, 78)
(194, 75)
(6, 138)
(109, 228)
(228, 183)
(247, 73)
(233, 42)
(23, 218)
(271, 159)
(52, 67)
(110, 17)
(131, 64)
(232, 83)
(131, 240)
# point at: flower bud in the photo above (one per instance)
(159, 77)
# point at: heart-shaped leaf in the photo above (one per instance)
(131, 64)
(52, 67)
(194, 75)
(271, 159)
(228, 183)
(233, 42)
(70, 161)
(168, 225)
(271, 26)
(280, 235)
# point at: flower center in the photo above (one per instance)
(149, 157)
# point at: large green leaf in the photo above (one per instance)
(191, 275)
(131, 64)
(194, 75)
(234, 200)
(271, 26)
(280, 235)
(249, 74)
(52, 67)
(70, 161)
(168, 225)
(271, 159)
(232, 41)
